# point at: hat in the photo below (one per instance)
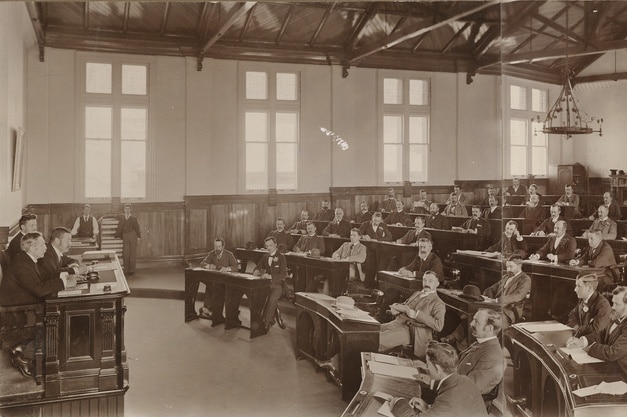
(344, 302)
(315, 252)
(250, 245)
(471, 292)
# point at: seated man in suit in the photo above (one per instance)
(282, 236)
(398, 217)
(613, 208)
(272, 265)
(389, 204)
(353, 252)
(479, 226)
(457, 190)
(27, 224)
(339, 227)
(421, 206)
(592, 313)
(455, 207)
(422, 313)
(516, 188)
(511, 243)
(559, 248)
(364, 214)
(375, 229)
(219, 259)
(547, 227)
(411, 237)
(54, 262)
(326, 214)
(534, 211)
(511, 291)
(85, 225)
(603, 223)
(570, 201)
(24, 284)
(301, 225)
(310, 241)
(533, 190)
(457, 395)
(494, 211)
(435, 220)
(598, 254)
(610, 344)
(491, 193)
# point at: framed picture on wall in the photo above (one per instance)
(18, 159)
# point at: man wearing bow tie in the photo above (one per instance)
(422, 314)
(610, 344)
(606, 225)
(592, 313)
(353, 252)
(272, 265)
(339, 227)
(85, 225)
(435, 220)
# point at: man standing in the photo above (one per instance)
(603, 223)
(339, 227)
(272, 265)
(512, 242)
(398, 217)
(54, 262)
(570, 201)
(128, 231)
(422, 314)
(281, 236)
(559, 248)
(511, 291)
(593, 311)
(27, 224)
(353, 252)
(437, 220)
(310, 241)
(478, 226)
(85, 225)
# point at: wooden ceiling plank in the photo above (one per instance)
(450, 43)
(419, 42)
(233, 16)
(164, 20)
(205, 18)
(533, 36)
(403, 19)
(86, 15)
(368, 14)
(249, 19)
(286, 20)
(127, 11)
(33, 13)
(557, 53)
(417, 30)
(601, 77)
(327, 12)
(566, 31)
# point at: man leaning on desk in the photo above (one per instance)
(559, 248)
(54, 262)
(511, 243)
(353, 252)
(610, 344)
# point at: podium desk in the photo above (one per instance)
(322, 333)
(364, 404)
(257, 290)
(544, 380)
(305, 268)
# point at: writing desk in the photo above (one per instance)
(307, 267)
(322, 333)
(619, 247)
(364, 404)
(406, 286)
(544, 380)
(257, 290)
(81, 245)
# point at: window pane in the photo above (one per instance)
(537, 137)
(97, 78)
(133, 169)
(133, 124)
(538, 160)
(286, 86)
(418, 129)
(98, 122)
(518, 98)
(417, 163)
(392, 91)
(538, 100)
(286, 127)
(256, 166)
(286, 166)
(518, 132)
(256, 129)
(392, 129)
(97, 168)
(134, 79)
(518, 160)
(419, 92)
(392, 163)
(256, 85)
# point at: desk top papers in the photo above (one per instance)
(612, 388)
(480, 253)
(398, 371)
(579, 355)
(541, 326)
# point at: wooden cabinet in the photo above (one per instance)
(619, 187)
(575, 174)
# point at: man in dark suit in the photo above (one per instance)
(511, 243)
(435, 220)
(613, 208)
(592, 313)
(478, 226)
(457, 395)
(598, 254)
(389, 204)
(272, 265)
(511, 291)
(282, 236)
(412, 236)
(494, 211)
(310, 241)
(516, 188)
(607, 226)
(27, 224)
(426, 260)
(326, 214)
(54, 261)
(559, 248)
(421, 206)
(364, 214)
(610, 344)
(547, 227)
(534, 212)
(25, 284)
(339, 227)
(128, 231)
(375, 229)
(301, 225)
(398, 217)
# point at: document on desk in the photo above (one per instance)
(579, 355)
(612, 388)
(387, 369)
(392, 360)
(540, 326)
(103, 267)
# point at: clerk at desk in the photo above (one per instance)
(54, 262)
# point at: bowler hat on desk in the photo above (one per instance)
(471, 292)
(344, 302)
(314, 253)
(250, 245)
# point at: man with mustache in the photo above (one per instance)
(478, 226)
(435, 220)
(511, 243)
(593, 311)
(511, 291)
(339, 227)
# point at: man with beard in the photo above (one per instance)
(510, 291)
(301, 225)
(281, 235)
(494, 211)
(364, 215)
(478, 226)
(603, 223)
(339, 227)
(435, 220)
(389, 204)
(512, 242)
(547, 227)
(560, 248)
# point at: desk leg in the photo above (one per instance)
(337, 283)
(191, 289)
(233, 298)
(257, 300)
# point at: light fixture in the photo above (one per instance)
(567, 117)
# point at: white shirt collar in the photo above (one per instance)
(441, 381)
(59, 254)
(588, 297)
(32, 257)
(485, 339)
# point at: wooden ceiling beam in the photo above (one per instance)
(33, 13)
(450, 43)
(127, 11)
(533, 36)
(164, 20)
(203, 22)
(370, 12)
(249, 19)
(288, 16)
(566, 31)
(403, 19)
(417, 30)
(86, 15)
(602, 77)
(324, 19)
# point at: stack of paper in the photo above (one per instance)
(612, 388)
